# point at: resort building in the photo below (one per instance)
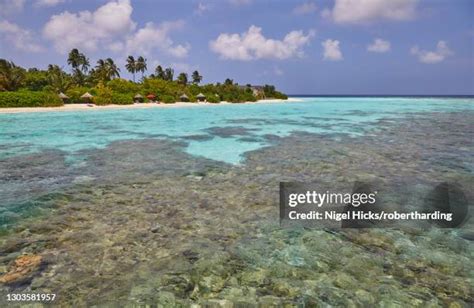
(87, 97)
(257, 91)
(201, 97)
(184, 98)
(138, 98)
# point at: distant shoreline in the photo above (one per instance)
(85, 107)
(381, 95)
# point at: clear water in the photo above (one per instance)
(75, 131)
(168, 229)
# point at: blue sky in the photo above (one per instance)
(302, 47)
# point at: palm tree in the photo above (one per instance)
(196, 77)
(141, 65)
(79, 63)
(84, 63)
(58, 79)
(106, 70)
(131, 66)
(112, 69)
(74, 58)
(11, 76)
(100, 70)
(169, 73)
(183, 78)
(159, 73)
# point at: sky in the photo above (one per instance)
(375, 47)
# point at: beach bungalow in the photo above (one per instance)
(87, 97)
(257, 91)
(138, 98)
(63, 97)
(184, 98)
(201, 97)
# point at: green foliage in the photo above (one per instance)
(75, 93)
(58, 80)
(123, 86)
(183, 78)
(212, 98)
(168, 99)
(80, 65)
(11, 76)
(29, 99)
(103, 84)
(270, 92)
(122, 99)
(103, 95)
(36, 80)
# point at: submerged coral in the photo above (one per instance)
(143, 222)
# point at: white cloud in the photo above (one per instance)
(18, 37)
(240, 2)
(305, 8)
(183, 67)
(201, 8)
(111, 27)
(152, 37)
(41, 3)
(431, 57)
(379, 45)
(252, 45)
(364, 11)
(332, 52)
(88, 30)
(11, 6)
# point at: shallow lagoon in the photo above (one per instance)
(181, 205)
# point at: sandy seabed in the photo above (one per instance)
(86, 107)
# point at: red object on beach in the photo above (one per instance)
(151, 96)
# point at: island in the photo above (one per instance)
(101, 85)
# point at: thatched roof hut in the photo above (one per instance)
(87, 97)
(138, 98)
(63, 96)
(184, 98)
(201, 97)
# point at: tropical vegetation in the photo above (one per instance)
(20, 87)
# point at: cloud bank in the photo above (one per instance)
(431, 57)
(20, 38)
(365, 11)
(253, 45)
(111, 27)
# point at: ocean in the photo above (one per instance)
(180, 205)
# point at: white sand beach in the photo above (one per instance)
(85, 107)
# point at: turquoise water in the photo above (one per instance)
(179, 206)
(219, 132)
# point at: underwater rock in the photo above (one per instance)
(364, 298)
(23, 268)
(255, 278)
(211, 284)
(14, 245)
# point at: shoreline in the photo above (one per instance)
(85, 107)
